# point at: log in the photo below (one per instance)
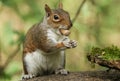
(81, 76)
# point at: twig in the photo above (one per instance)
(78, 11)
(93, 2)
(12, 55)
(0, 52)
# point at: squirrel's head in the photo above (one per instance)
(58, 18)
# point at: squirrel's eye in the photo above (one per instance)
(56, 17)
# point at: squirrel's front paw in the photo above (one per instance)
(69, 43)
(73, 43)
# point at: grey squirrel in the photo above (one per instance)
(45, 44)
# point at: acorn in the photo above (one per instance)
(64, 32)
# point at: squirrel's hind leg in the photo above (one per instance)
(61, 70)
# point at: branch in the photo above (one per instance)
(81, 76)
(78, 11)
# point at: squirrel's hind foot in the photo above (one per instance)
(27, 76)
(61, 71)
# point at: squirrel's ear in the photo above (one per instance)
(48, 10)
(60, 5)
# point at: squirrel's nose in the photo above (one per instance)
(69, 26)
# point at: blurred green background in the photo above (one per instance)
(97, 24)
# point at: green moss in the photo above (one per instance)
(107, 53)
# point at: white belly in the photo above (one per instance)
(37, 63)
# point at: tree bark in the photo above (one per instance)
(81, 76)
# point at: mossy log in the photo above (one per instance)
(111, 64)
(108, 57)
(81, 76)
